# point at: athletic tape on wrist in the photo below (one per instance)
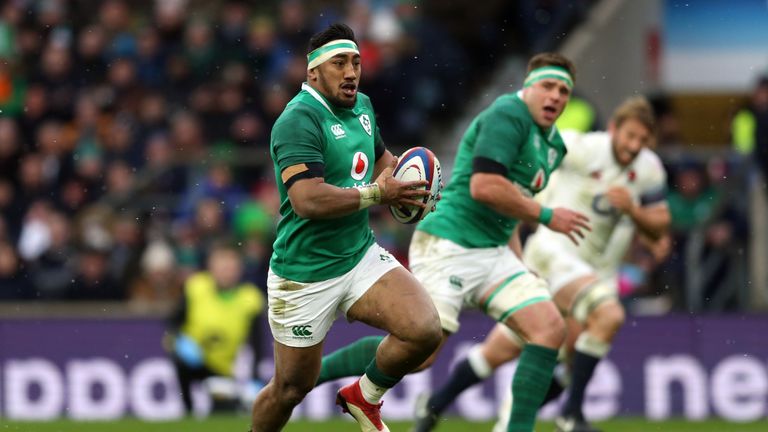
(370, 194)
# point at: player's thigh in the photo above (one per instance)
(540, 323)
(597, 299)
(510, 287)
(397, 303)
(449, 273)
(383, 294)
(565, 272)
(300, 314)
(568, 293)
(522, 300)
(297, 368)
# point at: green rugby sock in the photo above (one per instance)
(379, 378)
(350, 360)
(530, 385)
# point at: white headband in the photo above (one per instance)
(322, 54)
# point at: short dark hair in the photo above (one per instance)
(552, 59)
(333, 32)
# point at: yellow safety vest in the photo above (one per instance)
(743, 131)
(578, 115)
(219, 321)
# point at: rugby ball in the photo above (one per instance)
(416, 164)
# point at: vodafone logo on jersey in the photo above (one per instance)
(537, 183)
(359, 166)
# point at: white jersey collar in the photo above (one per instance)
(317, 96)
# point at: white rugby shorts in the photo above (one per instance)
(562, 265)
(300, 313)
(455, 277)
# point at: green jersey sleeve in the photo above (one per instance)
(297, 138)
(500, 135)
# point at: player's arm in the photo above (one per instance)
(496, 191)
(312, 198)
(500, 133)
(651, 216)
(651, 219)
(499, 193)
(298, 145)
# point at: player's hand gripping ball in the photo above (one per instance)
(416, 164)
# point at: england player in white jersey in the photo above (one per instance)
(616, 180)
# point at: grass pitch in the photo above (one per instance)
(240, 424)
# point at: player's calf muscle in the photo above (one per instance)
(415, 344)
(293, 393)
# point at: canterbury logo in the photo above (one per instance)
(302, 331)
(338, 131)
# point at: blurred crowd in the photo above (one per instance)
(134, 134)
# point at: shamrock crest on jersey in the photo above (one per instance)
(366, 122)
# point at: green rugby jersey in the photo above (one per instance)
(506, 133)
(310, 129)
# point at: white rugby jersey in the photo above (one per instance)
(587, 172)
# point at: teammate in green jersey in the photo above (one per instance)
(331, 165)
(619, 183)
(505, 157)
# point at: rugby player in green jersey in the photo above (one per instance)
(505, 157)
(619, 183)
(331, 165)
(460, 252)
